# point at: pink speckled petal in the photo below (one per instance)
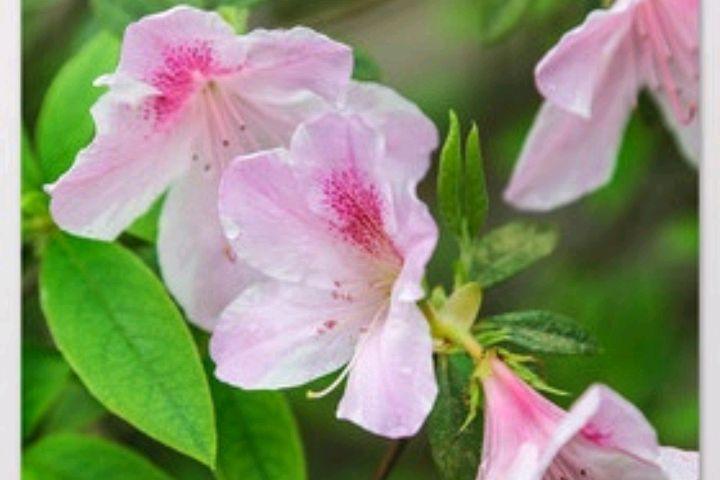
(680, 464)
(573, 72)
(118, 176)
(266, 215)
(278, 335)
(197, 263)
(150, 42)
(391, 387)
(565, 155)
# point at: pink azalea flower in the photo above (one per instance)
(337, 226)
(591, 80)
(601, 437)
(188, 96)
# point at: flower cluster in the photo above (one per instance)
(291, 227)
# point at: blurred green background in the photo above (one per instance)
(627, 265)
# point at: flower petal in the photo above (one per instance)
(198, 264)
(150, 42)
(278, 335)
(610, 432)
(679, 464)
(572, 73)
(565, 155)
(118, 176)
(266, 216)
(391, 387)
(410, 137)
(687, 136)
(283, 64)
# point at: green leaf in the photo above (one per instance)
(540, 332)
(366, 68)
(235, 16)
(117, 14)
(510, 249)
(449, 178)
(31, 176)
(456, 453)
(64, 124)
(44, 376)
(145, 227)
(125, 338)
(499, 17)
(258, 438)
(476, 195)
(74, 410)
(74, 457)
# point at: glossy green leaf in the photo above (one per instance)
(258, 438)
(539, 332)
(125, 338)
(74, 457)
(44, 376)
(509, 250)
(499, 17)
(456, 452)
(449, 178)
(477, 202)
(65, 125)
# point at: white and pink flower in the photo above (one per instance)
(187, 97)
(591, 80)
(601, 437)
(336, 225)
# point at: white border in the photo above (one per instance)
(710, 256)
(10, 239)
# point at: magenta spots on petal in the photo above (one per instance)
(177, 77)
(358, 213)
(593, 434)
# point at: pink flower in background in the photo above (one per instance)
(601, 437)
(591, 80)
(336, 225)
(188, 96)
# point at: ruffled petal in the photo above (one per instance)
(410, 137)
(391, 387)
(278, 335)
(118, 176)
(574, 72)
(197, 263)
(284, 64)
(565, 155)
(680, 464)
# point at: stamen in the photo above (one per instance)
(314, 395)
